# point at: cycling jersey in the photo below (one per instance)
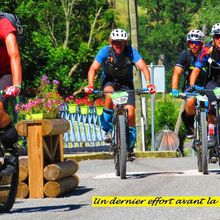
(118, 67)
(211, 61)
(186, 60)
(5, 28)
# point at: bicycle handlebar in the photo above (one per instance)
(137, 91)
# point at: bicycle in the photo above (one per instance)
(205, 154)
(8, 178)
(120, 133)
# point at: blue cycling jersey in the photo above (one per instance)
(103, 55)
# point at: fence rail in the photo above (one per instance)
(85, 132)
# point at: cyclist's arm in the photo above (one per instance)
(92, 71)
(142, 66)
(177, 71)
(15, 58)
(194, 75)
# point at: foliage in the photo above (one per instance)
(163, 30)
(51, 47)
(165, 114)
(47, 101)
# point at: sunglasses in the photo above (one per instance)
(197, 43)
(118, 42)
(217, 36)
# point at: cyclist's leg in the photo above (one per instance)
(211, 115)
(8, 134)
(131, 119)
(106, 117)
(5, 81)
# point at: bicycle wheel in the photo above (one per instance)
(204, 143)
(123, 145)
(8, 188)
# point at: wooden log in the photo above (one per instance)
(60, 170)
(23, 168)
(55, 126)
(23, 190)
(61, 186)
(49, 126)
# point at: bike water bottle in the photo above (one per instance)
(211, 130)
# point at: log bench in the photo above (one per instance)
(45, 146)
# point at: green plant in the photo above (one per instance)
(166, 113)
(47, 101)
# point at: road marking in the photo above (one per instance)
(212, 172)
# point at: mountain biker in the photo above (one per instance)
(10, 80)
(117, 60)
(185, 65)
(209, 58)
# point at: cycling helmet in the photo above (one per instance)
(118, 34)
(215, 29)
(195, 35)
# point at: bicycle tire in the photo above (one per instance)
(199, 143)
(117, 164)
(123, 145)
(7, 204)
(204, 143)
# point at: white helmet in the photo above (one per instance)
(215, 29)
(118, 34)
(195, 35)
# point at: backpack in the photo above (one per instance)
(119, 71)
(13, 18)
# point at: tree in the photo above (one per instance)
(163, 29)
(60, 35)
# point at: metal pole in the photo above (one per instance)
(152, 109)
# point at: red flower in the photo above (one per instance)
(83, 101)
(99, 102)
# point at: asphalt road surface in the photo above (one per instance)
(146, 177)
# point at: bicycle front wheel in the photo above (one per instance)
(204, 143)
(8, 189)
(123, 145)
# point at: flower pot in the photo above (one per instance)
(39, 116)
(72, 108)
(99, 110)
(84, 109)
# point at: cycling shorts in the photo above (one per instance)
(118, 86)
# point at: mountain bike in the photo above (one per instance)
(205, 154)
(8, 178)
(120, 131)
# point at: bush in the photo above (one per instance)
(166, 113)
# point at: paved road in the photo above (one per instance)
(146, 177)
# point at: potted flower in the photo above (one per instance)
(99, 105)
(72, 106)
(46, 104)
(84, 104)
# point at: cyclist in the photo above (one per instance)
(117, 60)
(209, 58)
(185, 64)
(10, 80)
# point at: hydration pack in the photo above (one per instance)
(13, 18)
(118, 67)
